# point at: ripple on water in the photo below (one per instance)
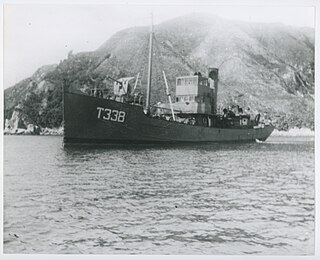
(191, 199)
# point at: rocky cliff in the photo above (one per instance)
(267, 67)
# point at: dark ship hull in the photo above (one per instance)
(91, 119)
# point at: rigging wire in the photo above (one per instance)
(159, 63)
(144, 63)
(179, 56)
(157, 48)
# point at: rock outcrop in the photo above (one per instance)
(17, 124)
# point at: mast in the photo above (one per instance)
(149, 66)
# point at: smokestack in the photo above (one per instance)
(213, 73)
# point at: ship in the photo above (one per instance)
(127, 117)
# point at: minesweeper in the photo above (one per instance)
(125, 117)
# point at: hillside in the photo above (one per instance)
(268, 67)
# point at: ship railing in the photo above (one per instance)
(135, 100)
(159, 110)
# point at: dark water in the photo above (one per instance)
(253, 198)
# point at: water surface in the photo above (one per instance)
(252, 198)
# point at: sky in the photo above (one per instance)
(37, 34)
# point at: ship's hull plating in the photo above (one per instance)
(95, 120)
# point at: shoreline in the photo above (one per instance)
(294, 132)
(291, 132)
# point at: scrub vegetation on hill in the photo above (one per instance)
(266, 67)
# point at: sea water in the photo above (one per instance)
(249, 198)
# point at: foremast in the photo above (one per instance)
(149, 67)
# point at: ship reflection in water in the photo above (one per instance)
(251, 198)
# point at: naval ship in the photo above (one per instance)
(125, 117)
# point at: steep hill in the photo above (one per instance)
(268, 67)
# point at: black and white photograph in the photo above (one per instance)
(159, 128)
